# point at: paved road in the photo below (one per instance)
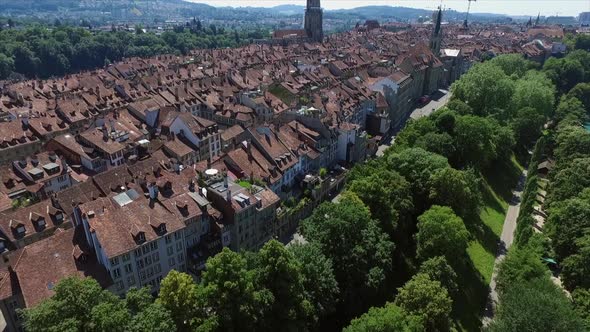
(432, 106)
(506, 240)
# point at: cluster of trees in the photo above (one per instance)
(528, 298)
(43, 51)
(426, 192)
(277, 288)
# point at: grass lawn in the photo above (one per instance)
(245, 184)
(476, 274)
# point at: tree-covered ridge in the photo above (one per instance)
(43, 51)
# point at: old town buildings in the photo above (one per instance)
(156, 164)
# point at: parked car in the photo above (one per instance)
(424, 100)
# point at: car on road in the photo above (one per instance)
(422, 101)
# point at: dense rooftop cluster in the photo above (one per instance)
(155, 164)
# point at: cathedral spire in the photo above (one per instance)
(314, 19)
(436, 38)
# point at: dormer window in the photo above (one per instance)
(59, 217)
(162, 228)
(2, 247)
(140, 237)
(41, 222)
(20, 230)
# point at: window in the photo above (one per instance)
(179, 246)
(168, 238)
(1, 245)
(153, 245)
(128, 269)
(115, 261)
(20, 229)
(131, 280)
(59, 217)
(120, 285)
(150, 272)
(180, 257)
(126, 257)
(171, 261)
(177, 236)
(140, 264)
(170, 251)
(148, 260)
(145, 249)
(116, 273)
(156, 257)
(157, 268)
(138, 252)
(142, 275)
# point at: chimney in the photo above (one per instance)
(225, 184)
(228, 196)
(105, 132)
(153, 191)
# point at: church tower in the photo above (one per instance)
(436, 38)
(314, 19)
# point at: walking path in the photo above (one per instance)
(504, 244)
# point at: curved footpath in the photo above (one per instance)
(504, 244)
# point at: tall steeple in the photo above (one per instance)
(436, 38)
(314, 20)
(538, 19)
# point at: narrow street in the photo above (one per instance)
(506, 240)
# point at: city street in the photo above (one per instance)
(435, 104)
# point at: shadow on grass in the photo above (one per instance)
(468, 304)
(483, 234)
(503, 176)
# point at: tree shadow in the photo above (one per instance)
(503, 176)
(470, 300)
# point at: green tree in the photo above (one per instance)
(582, 92)
(569, 180)
(571, 143)
(484, 87)
(6, 66)
(459, 190)
(513, 64)
(437, 268)
(520, 265)
(581, 301)
(537, 305)
(576, 268)
(570, 106)
(565, 72)
(475, 138)
(231, 297)
(527, 125)
(427, 299)
(179, 295)
(387, 194)
(360, 251)
(319, 283)
(389, 318)
(417, 166)
(441, 233)
(278, 272)
(534, 94)
(568, 221)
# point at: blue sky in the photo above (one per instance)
(510, 7)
